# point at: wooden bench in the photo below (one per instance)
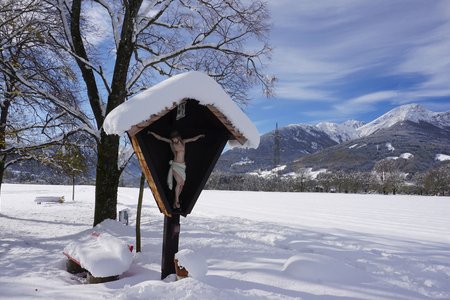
(49, 199)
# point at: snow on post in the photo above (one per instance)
(193, 262)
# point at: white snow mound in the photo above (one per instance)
(442, 157)
(190, 85)
(320, 268)
(102, 254)
(406, 155)
(194, 263)
(390, 147)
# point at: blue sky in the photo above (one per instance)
(352, 59)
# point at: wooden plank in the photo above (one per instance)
(138, 127)
(153, 118)
(228, 125)
(148, 176)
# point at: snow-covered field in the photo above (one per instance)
(256, 245)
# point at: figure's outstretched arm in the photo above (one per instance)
(193, 139)
(157, 136)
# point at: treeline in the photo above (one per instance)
(382, 180)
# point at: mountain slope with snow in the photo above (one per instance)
(341, 132)
(410, 128)
(352, 129)
(409, 112)
(413, 146)
(295, 141)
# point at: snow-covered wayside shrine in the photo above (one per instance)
(301, 246)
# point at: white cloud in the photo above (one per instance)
(303, 73)
(147, 9)
(364, 103)
(373, 98)
(99, 23)
(431, 59)
(322, 46)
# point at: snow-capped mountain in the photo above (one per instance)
(441, 120)
(409, 112)
(352, 129)
(348, 143)
(341, 132)
(412, 147)
(295, 141)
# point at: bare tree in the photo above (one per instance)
(437, 180)
(390, 177)
(154, 39)
(145, 42)
(339, 180)
(29, 122)
(325, 180)
(303, 175)
(368, 181)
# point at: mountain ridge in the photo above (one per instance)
(409, 112)
(298, 141)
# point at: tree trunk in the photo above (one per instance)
(2, 173)
(107, 178)
(108, 173)
(3, 120)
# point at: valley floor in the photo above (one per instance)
(257, 246)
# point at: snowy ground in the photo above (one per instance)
(257, 246)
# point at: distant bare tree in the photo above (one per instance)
(339, 180)
(303, 175)
(390, 177)
(437, 180)
(29, 69)
(419, 183)
(325, 180)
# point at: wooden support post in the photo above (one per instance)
(138, 213)
(170, 244)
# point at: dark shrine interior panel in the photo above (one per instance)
(200, 156)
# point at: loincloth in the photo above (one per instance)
(179, 168)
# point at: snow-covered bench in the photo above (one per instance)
(49, 199)
(103, 256)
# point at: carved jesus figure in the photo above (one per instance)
(177, 165)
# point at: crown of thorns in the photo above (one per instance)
(175, 134)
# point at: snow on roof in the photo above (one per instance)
(190, 85)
